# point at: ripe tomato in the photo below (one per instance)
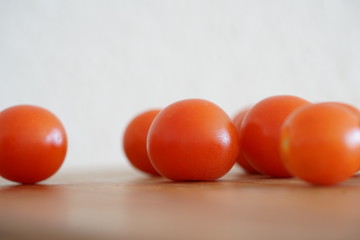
(33, 144)
(260, 133)
(192, 139)
(320, 143)
(134, 141)
(241, 160)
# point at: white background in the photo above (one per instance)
(96, 64)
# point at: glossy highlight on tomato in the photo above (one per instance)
(320, 143)
(260, 133)
(192, 140)
(33, 144)
(241, 160)
(134, 141)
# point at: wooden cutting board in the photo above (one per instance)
(127, 205)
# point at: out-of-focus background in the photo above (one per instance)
(96, 64)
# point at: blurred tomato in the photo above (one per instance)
(134, 141)
(33, 144)
(320, 143)
(260, 133)
(241, 160)
(192, 140)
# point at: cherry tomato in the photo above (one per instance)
(260, 133)
(192, 140)
(33, 144)
(134, 141)
(320, 143)
(241, 160)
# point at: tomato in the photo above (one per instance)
(320, 143)
(192, 140)
(260, 133)
(241, 160)
(134, 141)
(33, 144)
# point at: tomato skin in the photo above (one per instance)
(349, 107)
(192, 140)
(241, 160)
(260, 133)
(33, 144)
(239, 117)
(134, 141)
(320, 143)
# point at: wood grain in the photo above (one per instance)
(127, 205)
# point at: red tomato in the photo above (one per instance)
(241, 160)
(320, 143)
(33, 144)
(260, 133)
(192, 140)
(134, 141)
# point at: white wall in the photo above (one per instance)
(98, 63)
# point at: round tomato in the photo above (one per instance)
(241, 160)
(320, 143)
(192, 140)
(33, 144)
(134, 141)
(260, 133)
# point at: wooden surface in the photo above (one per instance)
(127, 205)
